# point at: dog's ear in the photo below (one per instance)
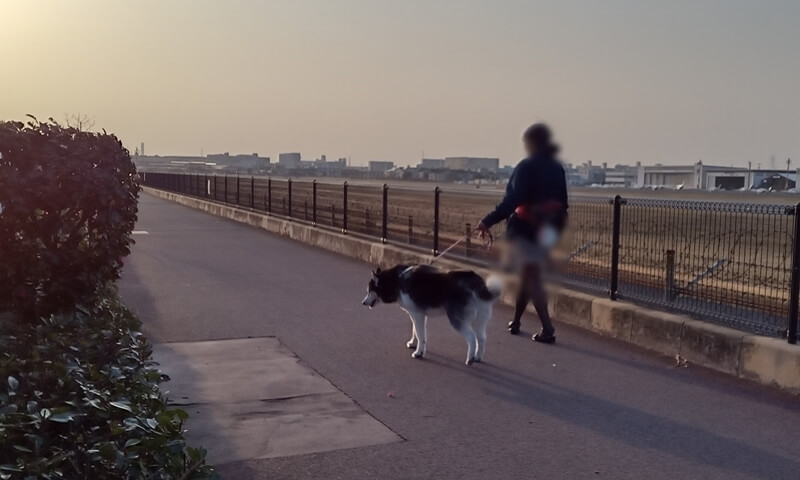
(378, 271)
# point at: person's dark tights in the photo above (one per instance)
(532, 289)
(538, 295)
(522, 304)
(519, 309)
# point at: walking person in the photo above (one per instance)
(535, 209)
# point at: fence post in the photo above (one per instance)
(467, 240)
(385, 223)
(237, 190)
(344, 209)
(215, 186)
(225, 200)
(252, 193)
(206, 188)
(794, 295)
(410, 229)
(669, 281)
(314, 202)
(289, 185)
(436, 192)
(269, 194)
(615, 248)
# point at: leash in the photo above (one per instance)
(453, 245)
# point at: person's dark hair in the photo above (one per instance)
(541, 137)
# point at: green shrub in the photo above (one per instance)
(67, 207)
(79, 395)
(79, 398)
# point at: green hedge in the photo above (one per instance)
(79, 395)
(67, 207)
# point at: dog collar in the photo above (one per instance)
(405, 273)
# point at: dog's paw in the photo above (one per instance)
(470, 361)
(478, 360)
(417, 355)
(411, 344)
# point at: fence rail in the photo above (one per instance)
(735, 264)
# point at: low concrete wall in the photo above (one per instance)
(765, 360)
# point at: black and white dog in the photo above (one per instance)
(423, 290)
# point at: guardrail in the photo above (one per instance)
(736, 264)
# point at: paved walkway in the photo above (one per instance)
(586, 408)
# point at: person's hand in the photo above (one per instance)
(484, 234)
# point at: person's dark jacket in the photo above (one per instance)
(535, 181)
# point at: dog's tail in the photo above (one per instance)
(493, 289)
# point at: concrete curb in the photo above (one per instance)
(768, 361)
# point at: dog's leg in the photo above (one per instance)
(461, 320)
(419, 331)
(469, 336)
(481, 336)
(413, 342)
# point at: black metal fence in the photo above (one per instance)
(735, 264)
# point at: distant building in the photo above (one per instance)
(289, 160)
(472, 163)
(251, 162)
(591, 174)
(623, 176)
(378, 166)
(432, 163)
(222, 162)
(711, 177)
(697, 176)
(778, 181)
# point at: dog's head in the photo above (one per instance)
(382, 287)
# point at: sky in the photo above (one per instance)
(619, 81)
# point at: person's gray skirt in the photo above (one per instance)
(520, 252)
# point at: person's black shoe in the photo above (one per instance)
(513, 327)
(543, 337)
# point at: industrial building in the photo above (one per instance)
(472, 163)
(432, 163)
(710, 177)
(621, 176)
(250, 162)
(223, 162)
(289, 160)
(380, 166)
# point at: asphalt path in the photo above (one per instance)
(588, 407)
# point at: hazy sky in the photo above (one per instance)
(669, 81)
